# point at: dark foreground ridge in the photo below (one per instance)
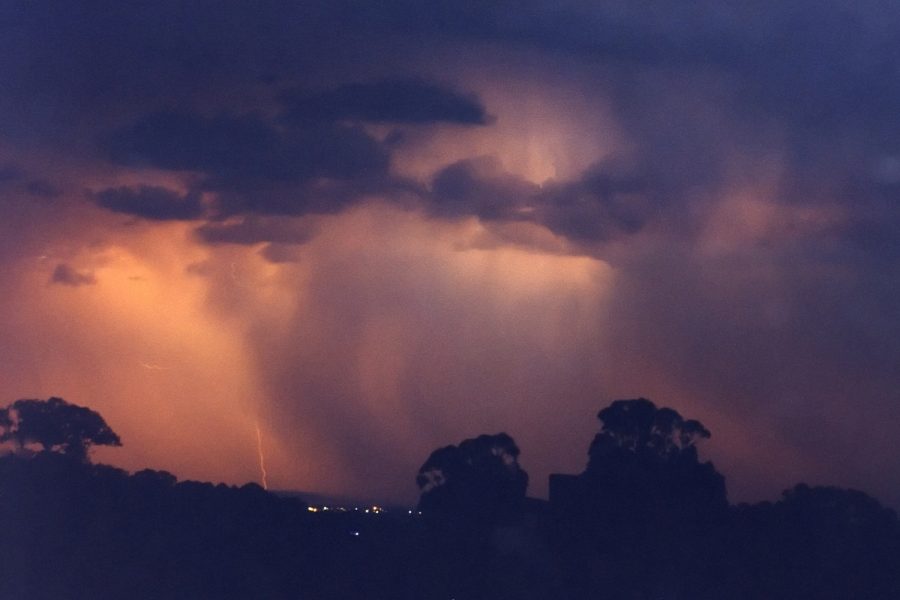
(645, 520)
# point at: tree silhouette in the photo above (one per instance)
(480, 479)
(56, 426)
(649, 453)
(468, 491)
(816, 542)
(645, 506)
(638, 428)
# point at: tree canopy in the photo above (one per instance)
(480, 478)
(56, 426)
(638, 428)
(647, 453)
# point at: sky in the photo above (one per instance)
(373, 229)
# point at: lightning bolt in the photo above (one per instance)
(262, 458)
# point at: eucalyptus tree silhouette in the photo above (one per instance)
(638, 429)
(642, 515)
(468, 492)
(57, 426)
(648, 455)
(479, 480)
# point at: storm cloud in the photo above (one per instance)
(391, 101)
(150, 202)
(393, 226)
(246, 153)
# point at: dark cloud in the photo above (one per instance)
(254, 230)
(607, 201)
(151, 202)
(812, 62)
(255, 166)
(246, 150)
(233, 146)
(315, 196)
(604, 203)
(816, 64)
(694, 85)
(818, 70)
(479, 187)
(393, 101)
(70, 66)
(65, 274)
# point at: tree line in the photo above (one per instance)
(645, 519)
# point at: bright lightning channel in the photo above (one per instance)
(262, 458)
